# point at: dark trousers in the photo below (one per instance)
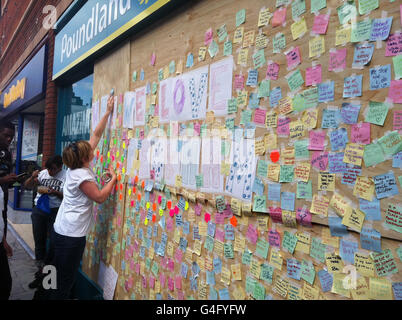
(42, 224)
(5, 275)
(67, 253)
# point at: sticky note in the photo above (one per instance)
(286, 173)
(342, 34)
(360, 30)
(334, 262)
(393, 217)
(293, 268)
(317, 5)
(360, 133)
(314, 75)
(380, 77)
(364, 265)
(278, 42)
(316, 46)
(320, 23)
(330, 118)
(338, 286)
(394, 45)
(319, 160)
(307, 271)
(350, 113)
(319, 205)
(380, 28)
(364, 188)
(366, 6)
(264, 17)
(354, 153)
(395, 91)
(380, 289)
(352, 86)
(337, 60)
(371, 209)
(326, 280)
(298, 28)
(317, 250)
(336, 164)
(391, 143)
(326, 181)
(347, 250)
(279, 17)
(370, 239)
(346, 12)
(295, 80)
(362, 54)
(288, 201)
(240, 17)
(238, 35)
(304, 190)
(385, 185)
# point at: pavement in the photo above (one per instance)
(22, 267)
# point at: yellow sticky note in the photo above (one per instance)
(296, 129)
(362, 290)
(364, 188)
(201, 53)
(170, 248)
(354, 154)
(273, 171)
(261, 41)
(326, 181)
(271, 119)
(289, 219)
(248, 39)
(298, 28)
(275, 259)
(242, 57)
(202, 228)
(235, 205)
(316, 46)
(294, 292)
(281, 286)
(197, 247)
(264, 17)
(328, 239)
(165, 72)
(342, 35)
(334, 262)
(178, 181)
(240, 243)
(285, 105)
(354, 219)
(309, 292)
(319, 205)
(339, 204)
(246, 207)
(239, 293)
(225, 168)
(236, 271)
(225, 275)
(340, 285)
(270, 141)
(262, 224)
(242, 99)
(259, 147)
(238, 35)
(302, 171)
(208, 263)
(309, 118)
(218, 247)
(255, 268)
(303, 242)
(364, 265)
(380, 289)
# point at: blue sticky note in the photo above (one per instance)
(397, 288)
(336, 227)
(213, 294)
(350, 175)
(158, 296)
(380, 77)
(397, 160)
(338, 139)
(195, 269)
(330, 119)
(372, 209)
(380, 28)
(252, 78)
(210, 278)
(370, 239)
(335, 163)
(293, 268)
(190, 60)
(326, 91)
(363, 54)
(258, 186)
(186, 227)
(274, 192)
(352, 86)
(347, 250)
(184, 270)
(224, 294)
(253, 101)
(350, 112)
(217, 265)
(142, 75)
(326, 280)
(229, 232)
(288, 201)
(211, 229)
(385, 185)
(274, 96)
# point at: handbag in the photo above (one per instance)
(43, 203)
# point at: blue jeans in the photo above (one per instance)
(66, 253)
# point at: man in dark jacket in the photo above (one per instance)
(7, 178)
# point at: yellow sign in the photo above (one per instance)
(16, 92)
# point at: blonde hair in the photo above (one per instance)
(76, 154)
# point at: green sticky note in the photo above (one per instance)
(346, 12)
(209, 244)
(250, 284)
(232, 105)
(172, 67)
(220, 203)
(262, 168)
(361, 31)
(377, 112)
(135, 76)
(199, 181)
(279, 42)
(227, 48)
(286, 173)
(299, 104)
(260, 204)
(295, 80)
(304, 190)
(365, 6)
(264, 88)
(213, 48)
(240, 17)
(267, 272)
(148, 263)
(289, 242)
(317, 249)
(311, 97)
(301, 149)
(262, 248)
(391, 143)
(399, 250)
(259, 59)
(222, 33)
(384, 263)
(154, 87)
(307, 271)
(317, 5)
(160, 75)
(230, 123)
(298, 8)
(397, 61)
(259, 291)
(373, 154)
(246, 257)
(282, 3)
(228, 250)
(245, 117)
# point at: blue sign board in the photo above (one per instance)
(95, 25)
(28, 85)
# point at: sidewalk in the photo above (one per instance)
(22, 267)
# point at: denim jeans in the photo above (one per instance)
(66, 253)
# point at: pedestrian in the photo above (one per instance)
(49, 183)
(75, 217)
(7, 179)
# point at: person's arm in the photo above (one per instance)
(56, 193)
(32, 181)
(8, 179)
(97, 134)
(90, 188)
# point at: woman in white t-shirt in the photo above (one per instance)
(75, 217)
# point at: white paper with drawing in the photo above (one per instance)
(158, 156)
(144, 157)
(140, 102)
(165, 99)
(211, 159)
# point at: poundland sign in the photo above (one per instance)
(96, 24)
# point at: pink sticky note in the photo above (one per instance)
(319, 160)
(197, 209)
(220, 234)
(169, 224)
(144, 281)
(273, 71)
(398, 121)
(317, 140)
(259, 116)
(180, 295)
(276, 214)
(320, 24)
(171, 265)
(293, 58)
(395, 91)
(279, 17)
(252, 234)
(153, 58)
(337, 60)
(170, 284)
(178, 282)
(219, 218)
(208, 36)
(207, 217)
(360, 133)
(137, 268)
(178, 256)
(394, 45)
(303, 217)
(313, 75)
(239, 81)
(274, 238)
(283, 126)
(197, 128)
(151, 282)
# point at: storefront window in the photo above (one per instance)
(74, 113)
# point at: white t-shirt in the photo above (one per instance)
(56, 182)
(75, 217)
